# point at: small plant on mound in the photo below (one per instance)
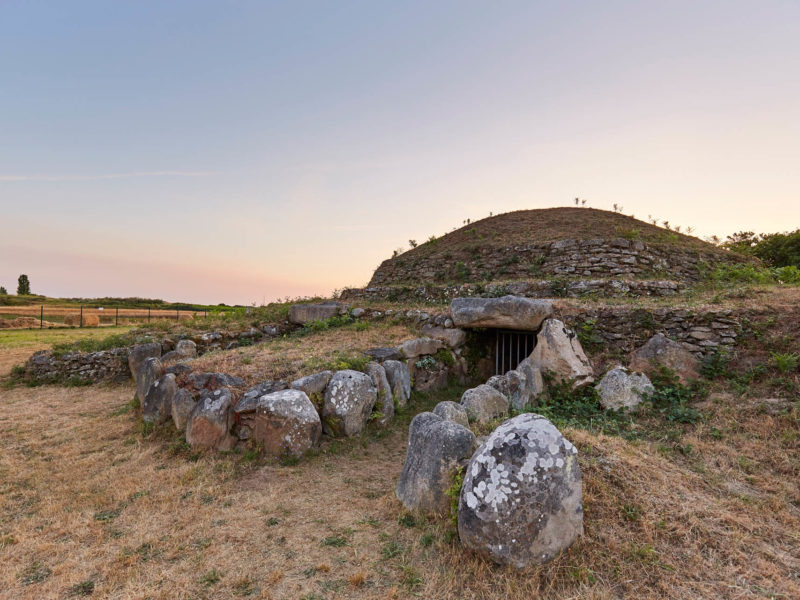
(671, 398)
(785, 362)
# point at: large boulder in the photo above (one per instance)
(250, 398)
(619, 388)
(451, 336)
(452, 411)
(139, 353)
(148, 373)
(383, 354)
(157, 403)
(301, 314)
(534, 383)
(284, 422)
(314, 386)
(213, 381)
(419, 347)
(183, 404)
(484, 403)
(559, 352)
(400, 379)
(209, 423)
(349, 399)
(521, 500)
(186, 348)
(660, 351)
(508, 312)
(384, 405)
(435, 447)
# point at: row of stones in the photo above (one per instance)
(286, 418)
(599, 257)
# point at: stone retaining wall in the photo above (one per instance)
(617, 257)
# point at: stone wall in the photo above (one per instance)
(78, 367)
(618, 257)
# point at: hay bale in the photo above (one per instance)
(88, 320)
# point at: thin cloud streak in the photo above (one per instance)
(54, 178)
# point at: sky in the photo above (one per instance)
(241, 152)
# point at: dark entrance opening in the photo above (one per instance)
(511, 348)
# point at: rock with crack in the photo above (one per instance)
(183, 404)
(284, 422)
(619, 388)
(452, 411)
(484, 403)
(520, 504)
(138, 354)
(508, 312)
(209, 423)
(157, 404)
(435, 448)
(384, 405)
(314, 387)
(349, 399)
(149, 372)
(660, 351)
(399, 379)
(559, 353)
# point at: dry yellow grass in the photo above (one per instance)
(291, 357)
(85, 498)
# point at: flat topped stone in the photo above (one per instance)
(300, 314)
(508, 312)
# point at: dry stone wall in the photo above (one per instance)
(616, 258)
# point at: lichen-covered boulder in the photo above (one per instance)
(384, 405)
(250, 398)
(400, 379)
(301, 314)
(284, 422)
(534, 382)
(183, 404)
(508, 312)
(349, 399)
(186, 348)
(419, 347)
(452, 411)
(520, 504)
(209, 423)
(314, 386)
(620, 388)
(660, 351)
(149, 372)
(157, 403)
(559, 352)
(484, 403)
(435, 447)
(138, 354)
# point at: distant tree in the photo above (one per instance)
(23, 286)
(3, 291)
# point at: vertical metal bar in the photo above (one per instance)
(518, 336)
(81, 323)
(41, 318)
(116, 318)
(148, 314)
(503, 365)
(497, 352)
(178, 315)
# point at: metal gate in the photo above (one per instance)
(511, 348)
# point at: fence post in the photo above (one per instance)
(81, 324)
(41, 318)
(148, 314)
(116, 318)
(178, 315)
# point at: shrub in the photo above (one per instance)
(785, 362)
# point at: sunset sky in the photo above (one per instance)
(238, 151)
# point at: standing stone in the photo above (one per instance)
(385, 403)
(301, 314)
(452, 411)
(157, 404)
(521, 500)
(435, 447)
(150, 370)
(660, 351)
(534, 383)
(139, 353)
(621, 389)
(484, 403)
(182, 405)
(349, 399)
(284, 422)
(400, 379)
(314, 387)
(559, 352)
(209, 422)
(508, 312)
(186, 348)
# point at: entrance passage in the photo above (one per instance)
(511, 348)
